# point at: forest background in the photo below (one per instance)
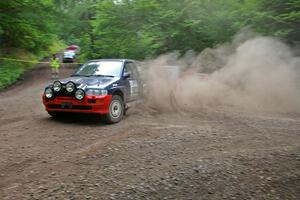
(136, 29)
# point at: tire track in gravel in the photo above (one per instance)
(7, 121)
(16, 117)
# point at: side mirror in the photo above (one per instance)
(126, 75)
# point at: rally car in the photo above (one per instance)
(104, 86)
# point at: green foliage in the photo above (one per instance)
(11, 71)
(27, 24)
(285, 18)
(143, 28)
(139, 28)
(55, 47)
(75, 24)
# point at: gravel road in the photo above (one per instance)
(215, 154)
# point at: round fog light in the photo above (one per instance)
(56, 86)
(70, 87)
(48, 93)
(79, 94)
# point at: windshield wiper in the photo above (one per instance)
(80, 75)
(101, 75)
(98, 75)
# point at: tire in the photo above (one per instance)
(116, 110)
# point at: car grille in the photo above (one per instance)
(66, 98)
(64, 93)
(74, 107)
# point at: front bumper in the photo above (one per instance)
(68, 60)
(90, 104)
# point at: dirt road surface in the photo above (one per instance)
(214, 154)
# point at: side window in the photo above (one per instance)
(134, 70)
(126, 68)
(130, 67)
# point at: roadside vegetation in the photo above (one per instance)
(13, 65)
(134, 29)
(28, 31)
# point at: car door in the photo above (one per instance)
(130, 76)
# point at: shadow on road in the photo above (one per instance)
(79, 119)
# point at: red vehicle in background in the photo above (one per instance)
(74, 48)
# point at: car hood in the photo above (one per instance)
(90, 82)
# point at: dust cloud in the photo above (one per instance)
(253, 73)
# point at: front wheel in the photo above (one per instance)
(116, 110)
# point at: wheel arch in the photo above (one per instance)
(120, 93)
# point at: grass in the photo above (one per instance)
(10, 72)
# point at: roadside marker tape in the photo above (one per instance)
(35, 62)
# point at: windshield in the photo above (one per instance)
(100, 68)
(67, 53)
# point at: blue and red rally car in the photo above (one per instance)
(103, 86)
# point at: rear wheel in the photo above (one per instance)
(116, 110)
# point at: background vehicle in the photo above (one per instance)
(74, 48)
(69, 56)
(99, 86)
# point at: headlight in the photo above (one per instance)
(48, 93)
(79, 94)
(56, 86)
(93, 92)
(70, 87)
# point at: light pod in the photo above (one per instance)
(70, 87)
(79, 94)
(56, 86)
(48, 93)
